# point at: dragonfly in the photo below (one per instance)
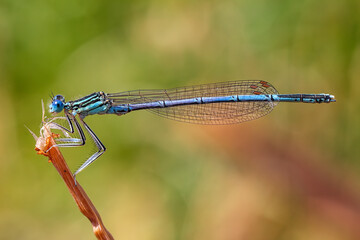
(215, 103)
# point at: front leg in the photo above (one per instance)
(70, 142)
(68, 117)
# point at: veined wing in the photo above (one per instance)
(210, 113)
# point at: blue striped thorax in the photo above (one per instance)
(95, 103)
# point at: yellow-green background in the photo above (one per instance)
(294, 174)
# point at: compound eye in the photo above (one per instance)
(56, 106)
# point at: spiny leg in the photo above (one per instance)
(91, 159)
(68, 139)
(71, 142)
(71, 130)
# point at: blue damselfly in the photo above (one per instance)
(214, 103)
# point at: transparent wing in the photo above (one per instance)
(210, 113)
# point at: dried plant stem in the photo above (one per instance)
(82, 200)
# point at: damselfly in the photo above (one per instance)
(214, 103)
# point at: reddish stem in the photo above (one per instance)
(82, 200)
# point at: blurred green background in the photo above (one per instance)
(293, 174)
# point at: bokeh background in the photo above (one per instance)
(293, 174)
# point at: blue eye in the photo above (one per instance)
(57, 104)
